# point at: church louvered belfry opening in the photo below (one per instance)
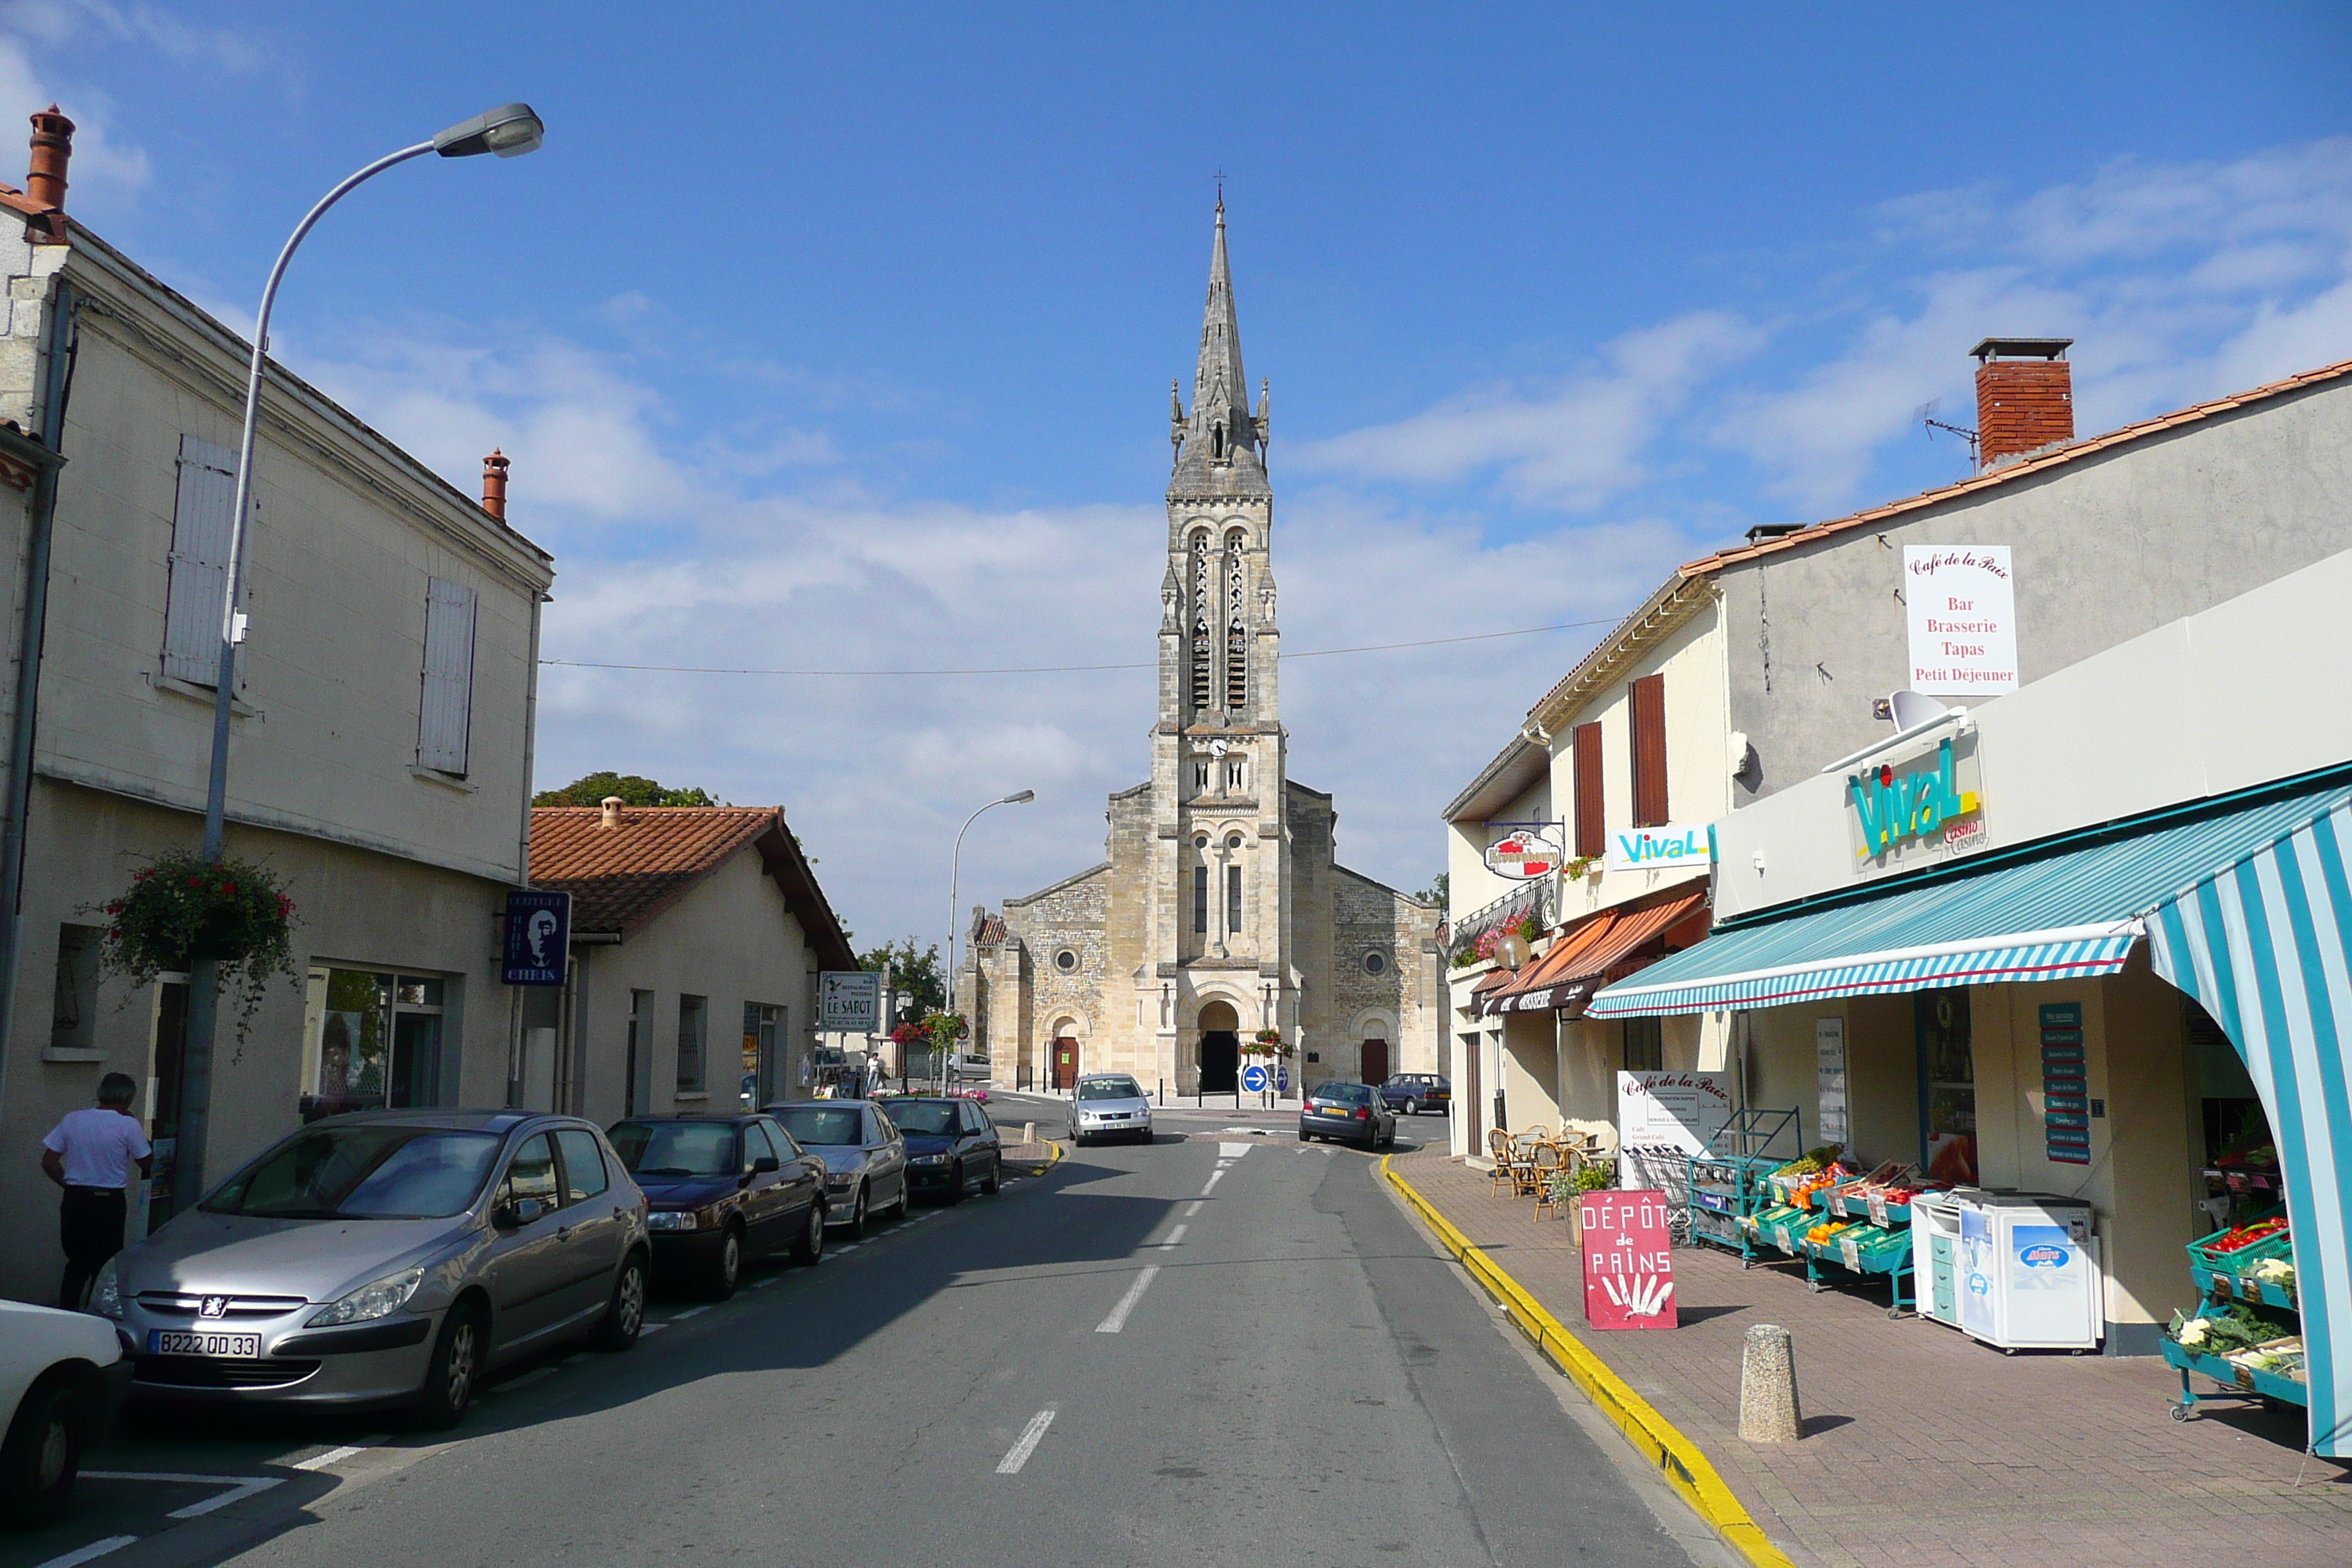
(1236, 633)
(1204, 594)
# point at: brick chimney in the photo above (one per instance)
(44, 180)
(2025, 398)
(493, 484)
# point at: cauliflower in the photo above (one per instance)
(2192, 1332)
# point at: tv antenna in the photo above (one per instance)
(1925, 414)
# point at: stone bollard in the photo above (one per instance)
(1028, 1132)
(1768, 1386)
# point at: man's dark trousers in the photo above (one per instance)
(89, 1228)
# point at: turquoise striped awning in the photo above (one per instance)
(2063, 916)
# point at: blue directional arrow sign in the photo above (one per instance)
(1253, 1079)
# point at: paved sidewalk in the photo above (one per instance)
(1923, 1447)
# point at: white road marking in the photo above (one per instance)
(689, 1312)
(1026, 1444)
(94, 1550)
(1118, 1319)
(337, 1455)
(239, 1486)
(536, 1374)
(1193, 1209)
(1215, 1177)
(651, 1328)
(1174, 1237)
(1233, 1150)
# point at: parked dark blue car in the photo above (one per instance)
(722, 1190)
(951, 1146)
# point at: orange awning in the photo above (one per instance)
(1605, 945)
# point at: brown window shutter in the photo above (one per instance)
(1648, 706)
(1592, 829)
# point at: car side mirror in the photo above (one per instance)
(517, 1214)
(765, 1164)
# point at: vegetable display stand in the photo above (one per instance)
(2245, 1335)
(2236, 1382)
(1861, 1247)
(1727, 1182)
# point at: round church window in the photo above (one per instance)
(1234, 842)
(1201, 842)
(1375, 962)
(1066, 962)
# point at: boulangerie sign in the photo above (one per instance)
(1963, 603)
(1629, 1260)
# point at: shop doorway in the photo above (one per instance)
(1221, 1049)
(1065, 1063)
(1375, 1061)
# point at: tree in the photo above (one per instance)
(592, 788)
(910, 970)
(1435, 893)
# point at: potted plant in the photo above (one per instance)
(182, 908)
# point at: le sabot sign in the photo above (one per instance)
(1928, 799)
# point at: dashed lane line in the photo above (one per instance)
(91, 1554)
(1118, 1319)
(1026, 1444)
(1193, 1208)
(1215, 1177)
(239, 1486)
(337, 1455)
(690, 1313)
(1174, 1237)
(1233, 1150)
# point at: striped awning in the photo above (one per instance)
(1610, 941)
(2061, 915)
(2265, 945)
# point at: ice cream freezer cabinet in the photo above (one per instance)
(2027, 1272)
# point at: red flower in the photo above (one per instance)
(115, 907)
(228, 890)
(195, 881)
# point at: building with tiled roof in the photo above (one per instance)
(686, 920)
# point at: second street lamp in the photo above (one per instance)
(955, 865)
(508, 130)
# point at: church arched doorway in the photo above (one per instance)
(1221, 1049)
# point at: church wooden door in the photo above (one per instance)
(1065, 1063)
(1375, 1062)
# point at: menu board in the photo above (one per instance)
(2066, 1085)
(1677, 1111)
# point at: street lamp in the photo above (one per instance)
(509, 130)
(955, 866)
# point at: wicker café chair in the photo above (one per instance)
(1546, 1162)
(1498, 1148)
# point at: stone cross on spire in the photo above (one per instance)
(1220, 446)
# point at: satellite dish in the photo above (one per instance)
(1513, 951)
(1913, 709)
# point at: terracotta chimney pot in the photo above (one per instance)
(493, 484)
(44, 180)
(611, 805)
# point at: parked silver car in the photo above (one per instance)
(386, 1259)
(864, 1158)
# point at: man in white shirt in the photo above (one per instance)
(91, 1154)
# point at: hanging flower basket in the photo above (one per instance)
(183, 908)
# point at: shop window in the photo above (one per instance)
(200, 544)
(372, 1039)
(1645, 1045)
(1646, 701)
(1948, 1085)
(74, 1011)
(693, 1015)
(1591, 825)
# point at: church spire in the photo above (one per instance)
(1219, 447)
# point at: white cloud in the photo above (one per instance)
(1572, 443)
(103, 171)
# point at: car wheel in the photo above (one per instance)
(451, 1376)
(626, 1315)
(1304, 1137)
(42, 1453)
(809, 1250)
(726, 1267)
(955, 1183)
(898, 1209)
(856, 1226)
(1412, 1108)
(993, 1179)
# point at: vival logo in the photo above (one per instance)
(1644, 845)
(1893, 809)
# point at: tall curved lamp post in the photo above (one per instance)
(508, 130)
(955, 867)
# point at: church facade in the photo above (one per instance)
(1218, 910)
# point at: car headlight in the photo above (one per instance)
(385, 1297)
(929, 1160)
(105, 1292)
(840, 1178)
(672, 1219)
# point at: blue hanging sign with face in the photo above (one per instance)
(539, 937)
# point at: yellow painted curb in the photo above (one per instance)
(1677, 1456)
(1049, 1165)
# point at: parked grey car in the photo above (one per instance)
(865, 1157)
(386, 1259)
(1110, 1105)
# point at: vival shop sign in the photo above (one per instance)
(1930, 800)
(1629, 1261)
(1527, 851)
(539, 937)
(1662, 848)
(849, 1002)
(1963, 613)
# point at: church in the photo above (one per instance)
(1218, 912)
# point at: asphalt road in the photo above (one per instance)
(1223, 1348)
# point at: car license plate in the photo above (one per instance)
(199, 1342)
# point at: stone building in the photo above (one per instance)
(1218, 910)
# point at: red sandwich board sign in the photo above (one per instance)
(1629, 1261)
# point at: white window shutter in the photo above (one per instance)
(445, 713)
(200, 546)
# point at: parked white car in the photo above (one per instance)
(62, 1374)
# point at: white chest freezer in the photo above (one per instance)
(2029, 1272)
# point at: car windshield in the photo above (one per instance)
(1351, 1093)
(362, 1173)
(936, 1118)
(823, 1124)
(1110, 1088)
(677, 1148)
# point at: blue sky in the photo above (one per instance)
(840, 337)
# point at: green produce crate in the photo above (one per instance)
(2201, 1256)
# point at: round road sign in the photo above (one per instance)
(1253, 1079)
